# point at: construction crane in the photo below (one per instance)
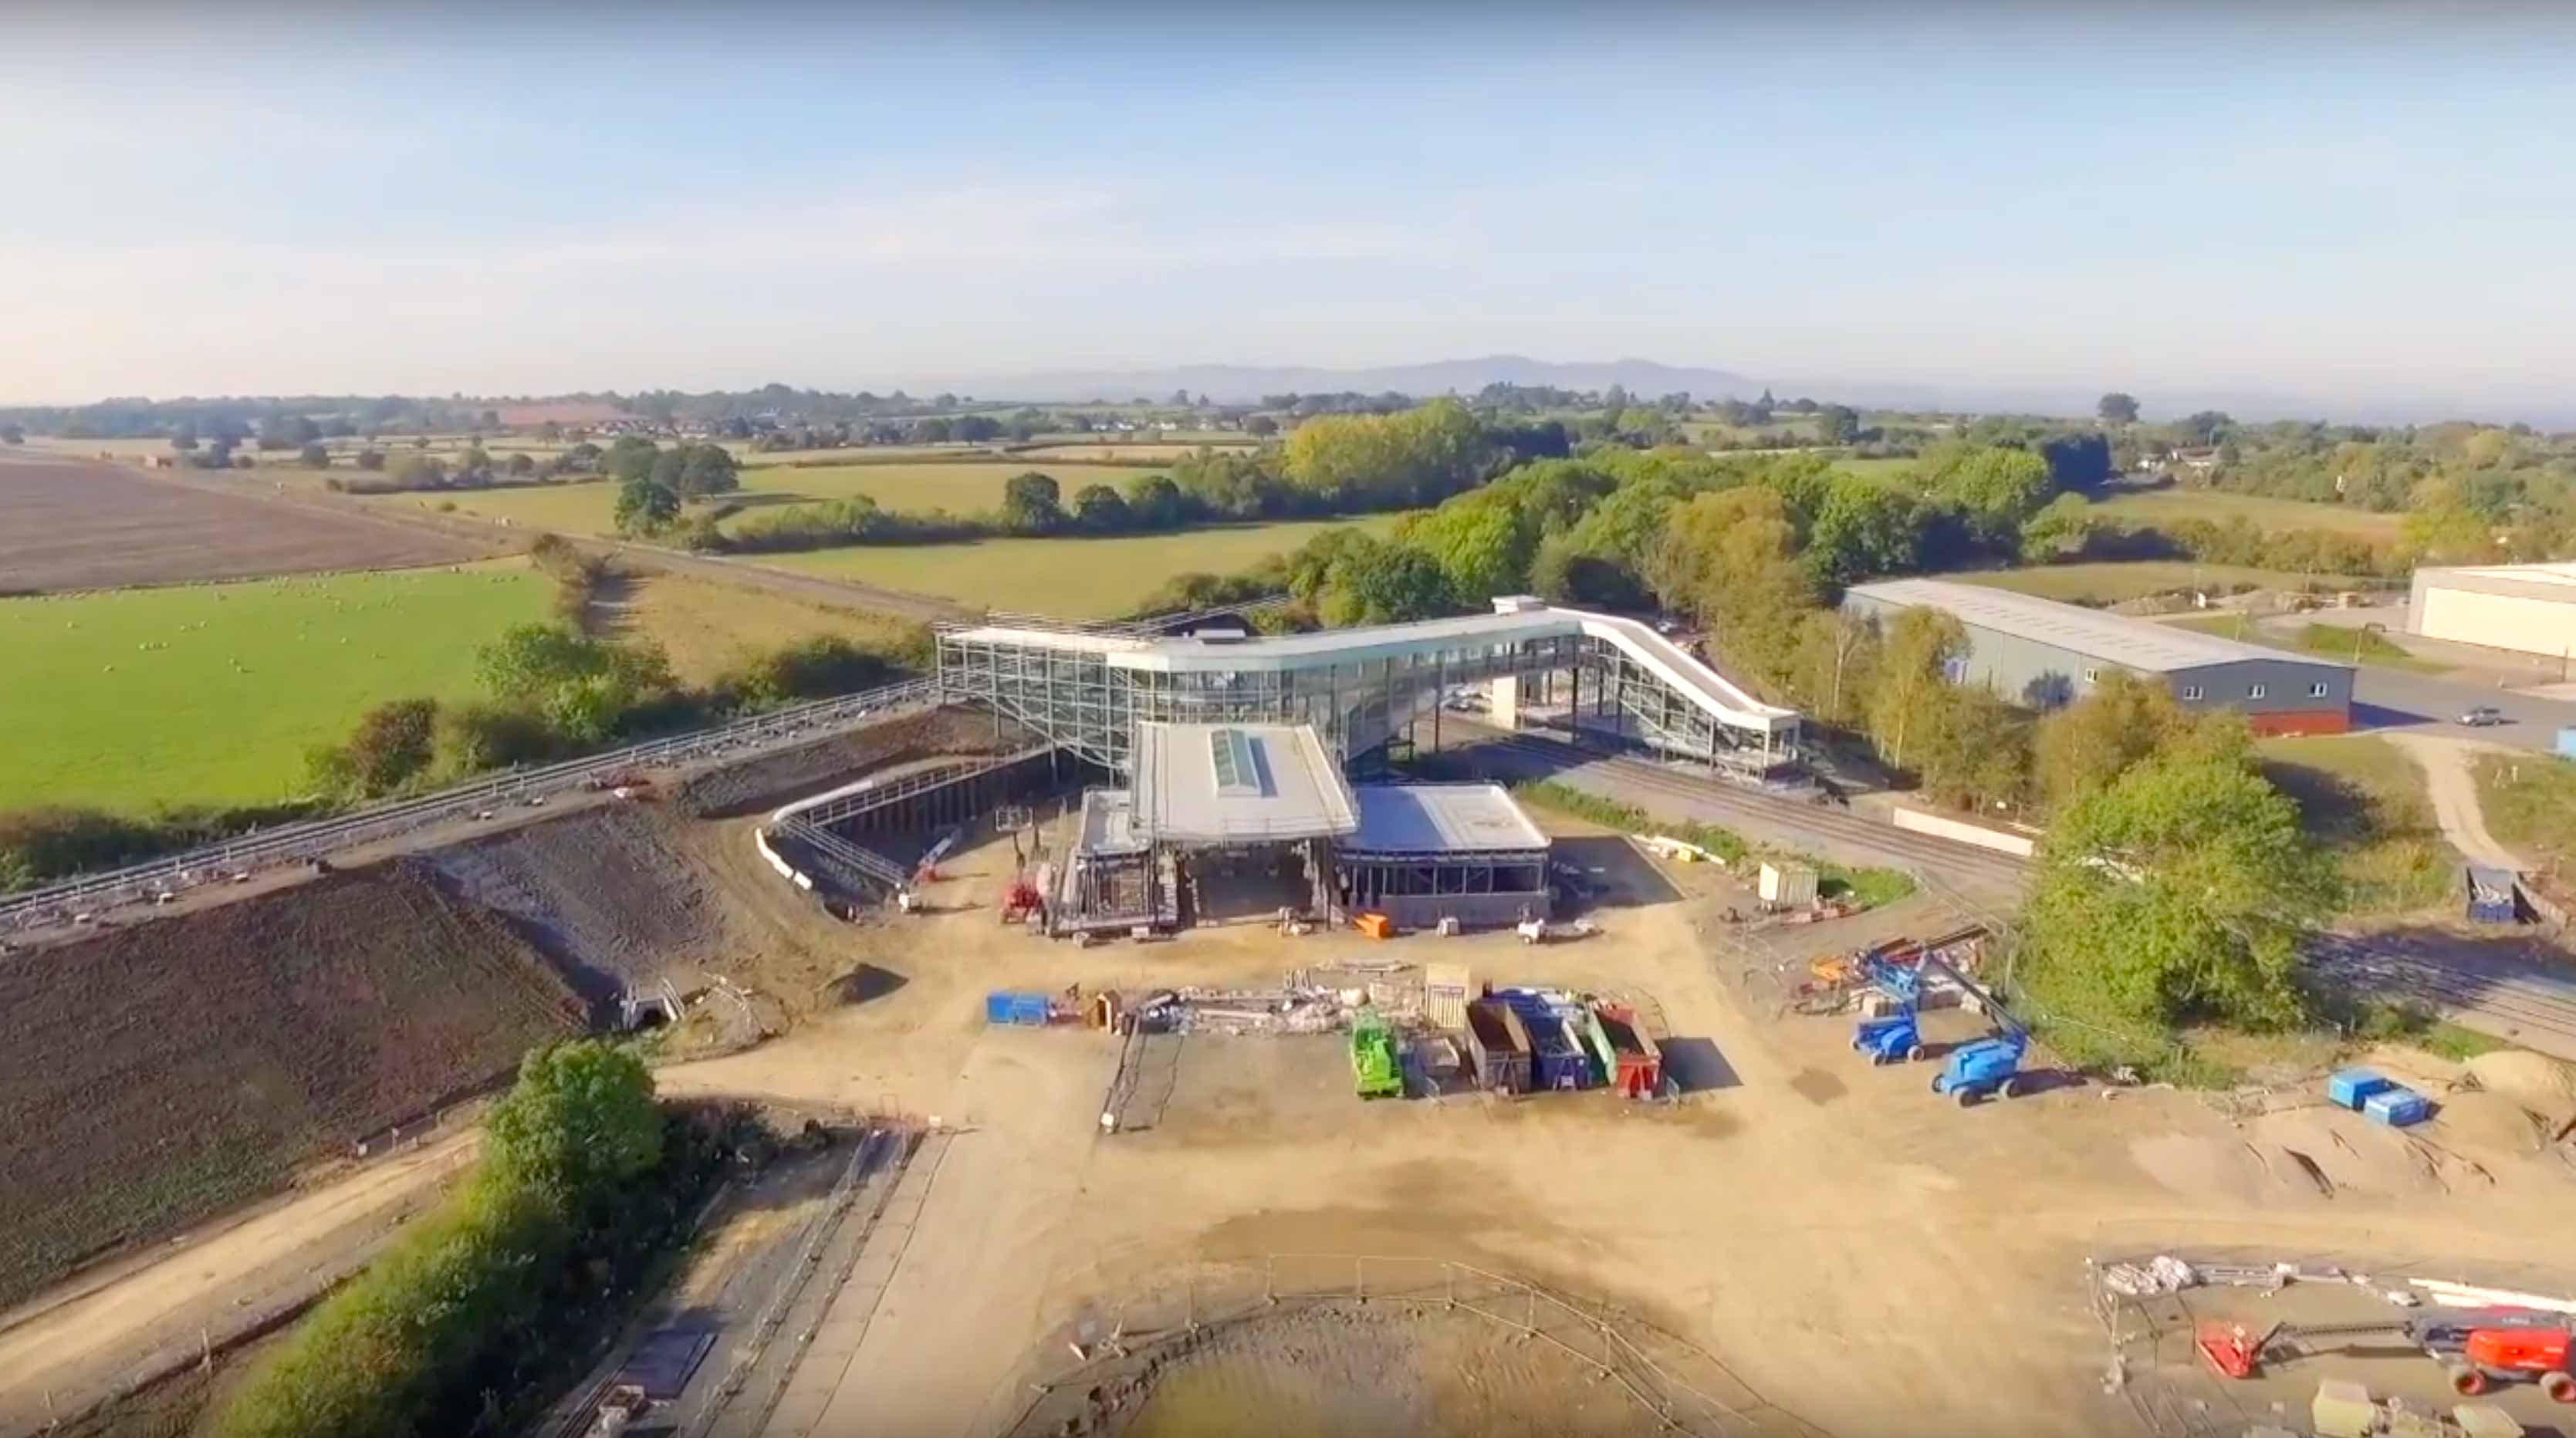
(2477, 1347)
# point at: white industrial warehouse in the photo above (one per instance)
(2526, 607)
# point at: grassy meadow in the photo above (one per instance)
(589, 507)
(709, 628)
(2163, 506)
(130, 699)
(2111, 582)
(1071, 578)
(2364, 799)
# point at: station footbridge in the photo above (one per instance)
(1530, 663)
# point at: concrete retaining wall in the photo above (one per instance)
(2001, 840)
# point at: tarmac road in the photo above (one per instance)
(2392, 699)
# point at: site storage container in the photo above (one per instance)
(2347, 1088)
(1557, 1059)
(1788, 886)
(1002, 1006)
(1498, 1047)
(2343, 1409)
(2490, 895)
(2397, 1107)
(1638, 1066)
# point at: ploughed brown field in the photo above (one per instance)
(155, 1076)
(75, 525)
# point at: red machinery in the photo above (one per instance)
(1020, 902)
(2478, 1347)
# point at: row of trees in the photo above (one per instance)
(551, 692)
(478, 1311)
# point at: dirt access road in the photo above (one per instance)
(2453, 787)
(129, 1320)
(1828, 1230)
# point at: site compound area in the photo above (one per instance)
(1181, 1173)
(1222, 1079)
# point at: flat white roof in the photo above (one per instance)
(1237, 783)
(1109, 823)
(1441, 818)
(2113, 638)
(2532, 581)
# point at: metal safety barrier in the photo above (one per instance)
(231, 859)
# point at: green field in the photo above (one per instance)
(239, 679)
(590, 506)
(2154, 506)
(2110, 583)
(1876, 468)
(1068, 578)
(2529, 802)
(2364, 800)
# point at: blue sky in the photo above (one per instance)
(2346, 203)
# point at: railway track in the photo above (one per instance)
(1721, 801)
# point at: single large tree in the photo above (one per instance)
(1101, 510)
(2118, 408)
(1032, 503)
(2176, 895)
(580, 1120)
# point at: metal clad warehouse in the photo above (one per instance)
(2043, 654)
(2527, 607)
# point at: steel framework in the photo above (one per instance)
(1087, 694)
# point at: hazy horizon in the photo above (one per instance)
(2353, 209)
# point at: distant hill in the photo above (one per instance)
(1243, 384)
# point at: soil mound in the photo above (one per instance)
(767, 782)
(2336, 1153)
(2226, 1169)
(604, 893)
(2540, 1084)
(2493, 1122)
(155, 1076)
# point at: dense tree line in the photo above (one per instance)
(2470, 492)
(488, 1302)
(1337, 464)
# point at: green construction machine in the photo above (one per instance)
(1375, 1071)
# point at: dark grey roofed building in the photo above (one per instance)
(2040, 653)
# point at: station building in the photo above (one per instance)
(1228, 822)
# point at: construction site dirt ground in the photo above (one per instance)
(1857, 1251)
(1852, 1249)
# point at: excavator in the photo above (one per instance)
(2477, 1347)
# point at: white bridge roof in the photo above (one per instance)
(1516, 619)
